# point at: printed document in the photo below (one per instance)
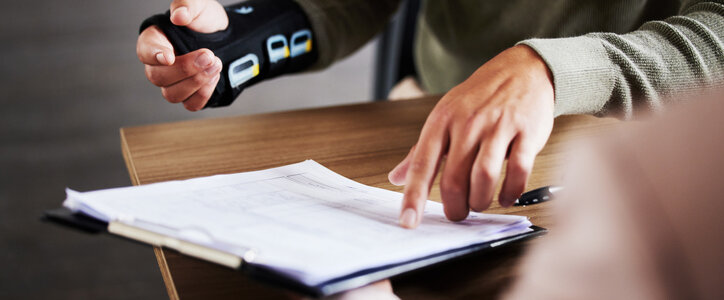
(302, 219)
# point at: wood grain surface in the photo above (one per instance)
(362, 142)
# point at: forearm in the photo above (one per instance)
(203, 54)
(343, 26)
(611, 74)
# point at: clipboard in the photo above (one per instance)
(245, 263)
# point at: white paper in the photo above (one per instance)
(303, 219)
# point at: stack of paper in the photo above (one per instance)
(302, 220)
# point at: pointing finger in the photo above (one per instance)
(421, 171)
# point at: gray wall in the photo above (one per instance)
(69, 79)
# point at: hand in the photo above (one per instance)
(189, 78)
(381, 290)
(505, 109)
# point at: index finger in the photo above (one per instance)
(421, 172)
(153, 48)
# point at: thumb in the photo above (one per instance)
(153, 48)
(398, 175)
(205, 16)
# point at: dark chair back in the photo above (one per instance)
(394, 58)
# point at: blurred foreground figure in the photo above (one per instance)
(642, 217)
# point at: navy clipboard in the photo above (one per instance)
(78, 221)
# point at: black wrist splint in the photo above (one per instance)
(264, 39)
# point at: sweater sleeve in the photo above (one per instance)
(626, 74)
(343, 26)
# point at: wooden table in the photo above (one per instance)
(362, 142)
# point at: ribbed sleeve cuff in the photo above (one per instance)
(582, 73)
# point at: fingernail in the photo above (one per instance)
(161, 59)
(506, 202)
(214, 68)
(203, 61)
(408, 218)
(391, 177)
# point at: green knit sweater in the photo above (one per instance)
(607, 56)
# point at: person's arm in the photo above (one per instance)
(244, 37)
(343, 26)
(639, 218)
(505, 110)
(624, 74)
(190, 78)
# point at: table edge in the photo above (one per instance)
(157, 251)
(128, 159)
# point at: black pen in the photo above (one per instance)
(538, 195)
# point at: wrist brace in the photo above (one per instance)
(264, 39)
